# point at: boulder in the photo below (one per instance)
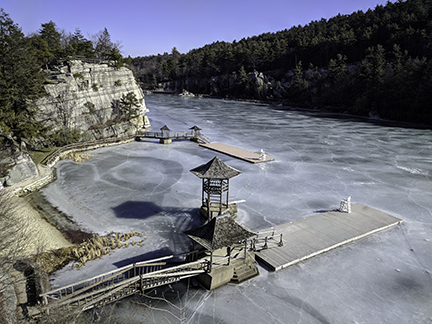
(186, 93)
(16, 165)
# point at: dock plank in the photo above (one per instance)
(316, 234)
(252, 157)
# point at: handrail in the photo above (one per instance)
(116, 271)
(122, 278)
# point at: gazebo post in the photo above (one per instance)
(221, 197)
(227, 192)
(211, 260)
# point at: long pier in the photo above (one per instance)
(252, 157)
(291, 243)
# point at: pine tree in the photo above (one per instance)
(21, 83)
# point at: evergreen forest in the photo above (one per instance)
(376, 63)
(23, 62)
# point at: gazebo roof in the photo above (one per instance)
(165, 128)
(215, 169)
(195, 128)
(221, 231)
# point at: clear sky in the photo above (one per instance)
(148, 27)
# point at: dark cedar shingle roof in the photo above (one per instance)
(195, 128)
(215, 169)
(221, 231)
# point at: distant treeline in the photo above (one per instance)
(379, 60)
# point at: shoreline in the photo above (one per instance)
(61, 221)
(325, 111)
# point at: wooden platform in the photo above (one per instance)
(252, 157)
(305, 238)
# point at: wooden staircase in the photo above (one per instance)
(244, 271)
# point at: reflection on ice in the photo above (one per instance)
(147, 187)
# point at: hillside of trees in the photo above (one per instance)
(378, 61)
(23, 62)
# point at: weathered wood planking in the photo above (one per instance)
(305, 238)
(252, 157)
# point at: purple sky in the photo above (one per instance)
(147, 27)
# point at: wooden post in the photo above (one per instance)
(210, 263)
(202, 199)
(227, 199)
(245, 250)
(221, 196)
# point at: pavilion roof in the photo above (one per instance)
(195, 128)
(165, 128)
(215, 169)
(221, 231)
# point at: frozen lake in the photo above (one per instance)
(320, 159)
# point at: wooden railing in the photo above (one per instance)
(266, 240)
(53, 158)
(174, 135)
(120, 283)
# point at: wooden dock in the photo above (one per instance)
(308, 237)
(252, 157)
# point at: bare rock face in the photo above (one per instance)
(86, 97)
(16, 165)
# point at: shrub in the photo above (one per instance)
(66, 136)
(78, 76)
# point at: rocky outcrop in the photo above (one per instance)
(259, 86)
(16, 165)
(86, 97)
(186, 93)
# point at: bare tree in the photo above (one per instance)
(19, 241)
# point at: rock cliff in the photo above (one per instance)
(15, 163)
(86, 97)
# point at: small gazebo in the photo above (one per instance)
(215, 188)
(222, 231)
(164, 129)
(196, 130)
(165, 139)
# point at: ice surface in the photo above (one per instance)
(320, 159)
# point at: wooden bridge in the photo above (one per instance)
(167, 137)
(114, 285)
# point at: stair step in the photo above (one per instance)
(244, 272)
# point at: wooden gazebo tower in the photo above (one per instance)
(215, 188)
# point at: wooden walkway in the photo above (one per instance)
(305, 238)
(252, 157)
(114, 285)
(198, 137)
